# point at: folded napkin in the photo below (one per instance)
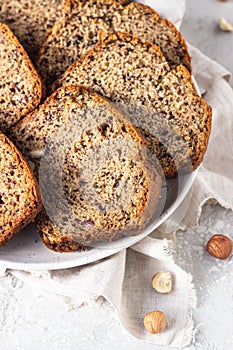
(124, 279)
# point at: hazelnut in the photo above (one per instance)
(225, 25)
(155, 322)
(162, 282)
(219, 246)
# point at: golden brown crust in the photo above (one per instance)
(185, 72)
(63, 245)
(56, 242)
(34, 203)
(134, 39)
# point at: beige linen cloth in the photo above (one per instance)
(125, 278)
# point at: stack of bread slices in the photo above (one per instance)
(102, 112)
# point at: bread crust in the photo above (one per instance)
(55, 240)
(36, 87)
(34, 204)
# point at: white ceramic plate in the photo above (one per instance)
(26, 251)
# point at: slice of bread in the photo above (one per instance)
(87, 21)
(20, 200)
(20, 86)
(159, 100)
(96, 176)
(30, 20)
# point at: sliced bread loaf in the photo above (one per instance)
(19, 192)
(159, 100)
(30, 20)
(97, 183)
(87, 21)
(20, 85)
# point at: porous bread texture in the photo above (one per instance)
(53, 238)
(20, 85)
(109, 188)
(144, 22)
(30, 20)
(159, 100)
(20, 200)
(85, 22)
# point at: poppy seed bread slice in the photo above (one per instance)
(96, 178)
(30, 20)
(19, 192)
(159, 100)
(20, 85)
(85, 22)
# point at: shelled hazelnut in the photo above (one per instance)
(155, 322)
(220, 246)
(225, 25)
(162, 282)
